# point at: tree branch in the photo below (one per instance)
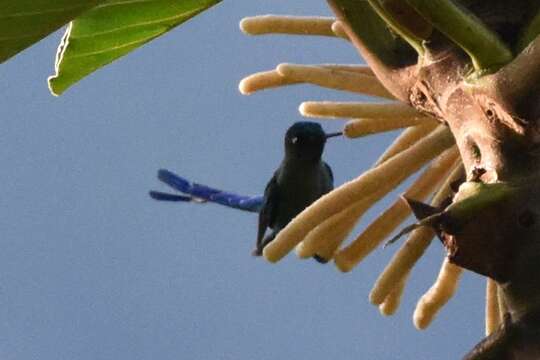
(531, 31)
(484, 47)
(384, 9)
(390, 58)
(518, 82)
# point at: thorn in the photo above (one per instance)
(426, 214)
(420, 210)
(403, 231)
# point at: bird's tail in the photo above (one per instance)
(201, 193)
(161, 196)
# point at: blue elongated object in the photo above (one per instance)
(202, 193)
(158, 195)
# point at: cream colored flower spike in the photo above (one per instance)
(263, 80)
(364, 127)
(271, 79)
(493, 318)
(402, 263)
(405, 140)
(355, 68)
(382, 111)
(286, 24)
(438, 295)
(337, 28)
(326, 238)
(503, 308)
(411, 251)
(389, 220)
(334, 79)
(392, 301)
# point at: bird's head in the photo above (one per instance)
(305, 140)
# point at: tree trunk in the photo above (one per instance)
(475, 66)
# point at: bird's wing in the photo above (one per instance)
(331, 174)
(202, 193)
(268, 211)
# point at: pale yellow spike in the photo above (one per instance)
(335, 109)
(405, 140)
(347, 258)
(335, 79)
(392, 301)
(363, 127)
(263, 80)
(326, 238)
(402, 262)
(286, 24)
(339, 31)
(503, 308)
(493, 318)
(355, 68)
(374, 182)
(438, 295)
(271, 79)
(413, 248)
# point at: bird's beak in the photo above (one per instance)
(334, 134)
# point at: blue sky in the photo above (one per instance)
(91, 268)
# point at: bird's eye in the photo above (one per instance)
(294, 140)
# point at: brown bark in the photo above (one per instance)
(495, 120)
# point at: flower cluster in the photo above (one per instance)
(424, 144)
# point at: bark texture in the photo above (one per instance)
(486, 88)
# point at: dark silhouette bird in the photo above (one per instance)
(301, 178)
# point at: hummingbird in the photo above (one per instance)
(301, 178)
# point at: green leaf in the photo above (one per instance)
(112, 30)
(25, 22)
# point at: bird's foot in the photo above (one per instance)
(320, 259)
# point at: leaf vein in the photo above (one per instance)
(124, 2)
(139, 24)
(128, 44)
(43, 12)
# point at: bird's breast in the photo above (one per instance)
(299, 186)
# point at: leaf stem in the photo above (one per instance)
(531, 31)
(369, 30)
(405, 33)
(389, 56)
(486, 50)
